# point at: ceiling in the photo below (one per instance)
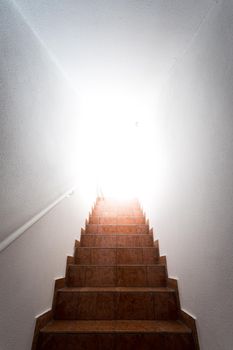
(123, 47)
(117, 54)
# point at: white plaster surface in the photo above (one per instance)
(37, 165)
(116, 52)
(38, 130)
(29, 266)
(192, 203)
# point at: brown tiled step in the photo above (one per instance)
(116, 304)
(129, 229)
(117, 220)
(117, 240)
(122, 212)
(118, 207)
(117, 335)
(118, 204)
(116, 256)
(120, 276)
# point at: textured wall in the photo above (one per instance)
(108, 43)
(37, 164)
(115, 52)
(37, 125)
(193, 204)
(29, 266)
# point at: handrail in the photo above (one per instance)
(18, 232)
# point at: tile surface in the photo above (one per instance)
(116, 295)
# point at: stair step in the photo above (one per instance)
(117, 220)
(116, 303)
(119, 209)
(115, 256)
(117, 212)
(117, 240)
(116, 295)
(117, 289)
(114, 229)
(117, 334)
(118, 203)
(121, 276)
(116, 326)
(115, 204)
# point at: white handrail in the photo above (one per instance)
(17, 233)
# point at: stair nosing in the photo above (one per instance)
(117, 290)
(119, 224)
(150, 235)
(121, 265)
(118, 234)
(117, 323)
(133, 247)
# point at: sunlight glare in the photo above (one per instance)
(117, 144)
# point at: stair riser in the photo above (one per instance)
(116, 241)
(117, 220)
(117, 204)
(116, 256)
(121, 341)
(122, 208)
(111, 229)
(111, 213)
(116, 306)
(116, 250)
(114, 204)
(120, 276)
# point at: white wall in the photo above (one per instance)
(29, 267)
(118, 48)
(38, 159)
(37, 124)
(116, 53)
(191, 208)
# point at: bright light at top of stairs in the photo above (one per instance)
(117, 147)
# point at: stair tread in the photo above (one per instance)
(116, 292)
(118, 224)
(125, 247)
(118, 234)
(115, 326)
(116, 289)
(120, 265)
(118, 216)
(111, 213)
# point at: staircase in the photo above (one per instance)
(116, 293)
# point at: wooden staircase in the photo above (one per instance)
(116, 294)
